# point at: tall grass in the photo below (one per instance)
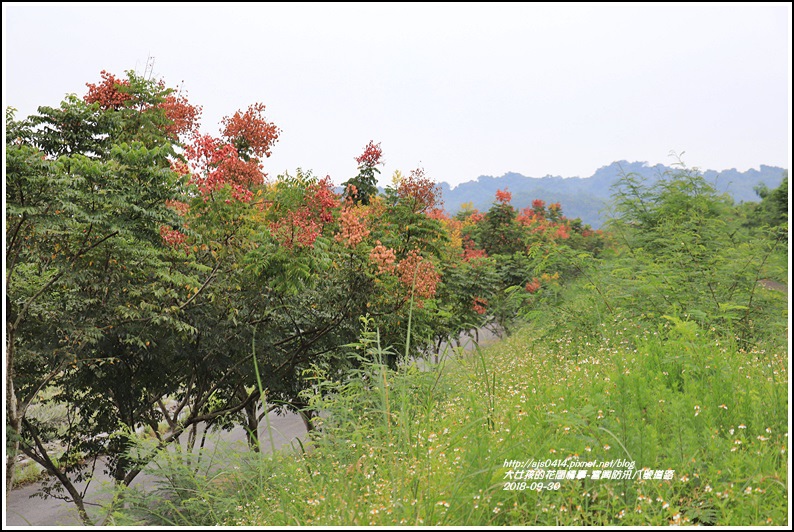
(414, 447)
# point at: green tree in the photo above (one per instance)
(364, 186)
(499, 234)
(687, 254)
(773, 208)
(84, 255)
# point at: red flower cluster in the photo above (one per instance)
(301, 227)
(533, 286)
(426, 276)
(353, 229)
(421, 192)
(528, 217)
(322, 199)
(561, 232)
(503, 196)
(217, 164)
(541, 222)
(476, 217)
(172, 237)
(438, 214)
(184, 117)
(470, 251)
(295, 228)
(251, 131)
(479, 305)
(384, 258)
(107, 92)
(371, 156)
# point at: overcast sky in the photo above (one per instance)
(460, 89)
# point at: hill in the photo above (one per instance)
(586, 197)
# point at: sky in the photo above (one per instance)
(459, 89)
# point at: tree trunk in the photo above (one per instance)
(44, 460)
(13, 432)
(77, 499)
(14, 422)
(306, 415)
(252, 426)
(119, 448)
(307, 420)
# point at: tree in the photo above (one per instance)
(77, 223)
(773, 208)
(158, 279)
(688, 255)
(364, 186)
(87, 192)
(499, 232)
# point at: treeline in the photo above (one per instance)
(587, 197)
(157, 277)
(665, 351)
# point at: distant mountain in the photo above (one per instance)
(586, 197)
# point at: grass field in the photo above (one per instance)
(702, 420)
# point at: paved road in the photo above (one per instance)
(24, 511)
(773, 285)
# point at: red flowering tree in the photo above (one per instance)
(418, 192)
(526, 247)
(146, 104)
(91, 288)
(363, 187)
(499, 232)
(228, 266)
